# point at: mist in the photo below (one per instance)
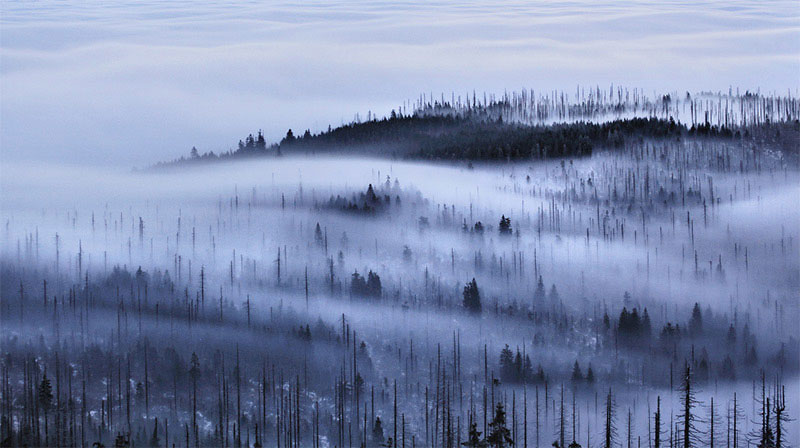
(399, 224)
(257, 262)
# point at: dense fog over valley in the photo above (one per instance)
(399, 224)
(309, 284)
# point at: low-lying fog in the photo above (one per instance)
(757, 212)
(660, 243)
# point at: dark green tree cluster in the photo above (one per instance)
(253, 144)
(369, 287)
(368, 202)
(472, 297)
(377, 433)
(505, 226)
(499, 434)
(696, 321)
(479, 138)
(633, 330)
(578, 377)
(474, 439)
(518, 368)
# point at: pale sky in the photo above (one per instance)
(133, 83)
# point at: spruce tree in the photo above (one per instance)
(577, 375)
(499, 435)
(474, 438)
(472, 297)
(505, 226)
(377, 432)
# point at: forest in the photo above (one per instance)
(514, 271)
(524, 127)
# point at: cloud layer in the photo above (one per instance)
(132, 83)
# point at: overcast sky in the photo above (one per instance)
(133, 83)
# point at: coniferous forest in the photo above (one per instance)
(596, 269)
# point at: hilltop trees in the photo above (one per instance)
(289, 138)
(253, 144)
(476, 136)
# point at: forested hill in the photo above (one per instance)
(448, 137)
(459, 138)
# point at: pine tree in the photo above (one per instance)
(377, 432)
(577, 375)
(45, 393)
(472, 297)
(731, 336)
(554, 298)
(506, 363)
(318, 238)
(499, 435)
(696, 322)
(505, 226)
(647, 327)
(45, 400)
(539, 294)
(155, 441)
(261, 143)
(527, 369)
(590, 375)
(474, 438)
(373, 285)
(358, 286)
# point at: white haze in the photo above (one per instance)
(90, 89)
(131, 83)
(53, 199)
(95, 213)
